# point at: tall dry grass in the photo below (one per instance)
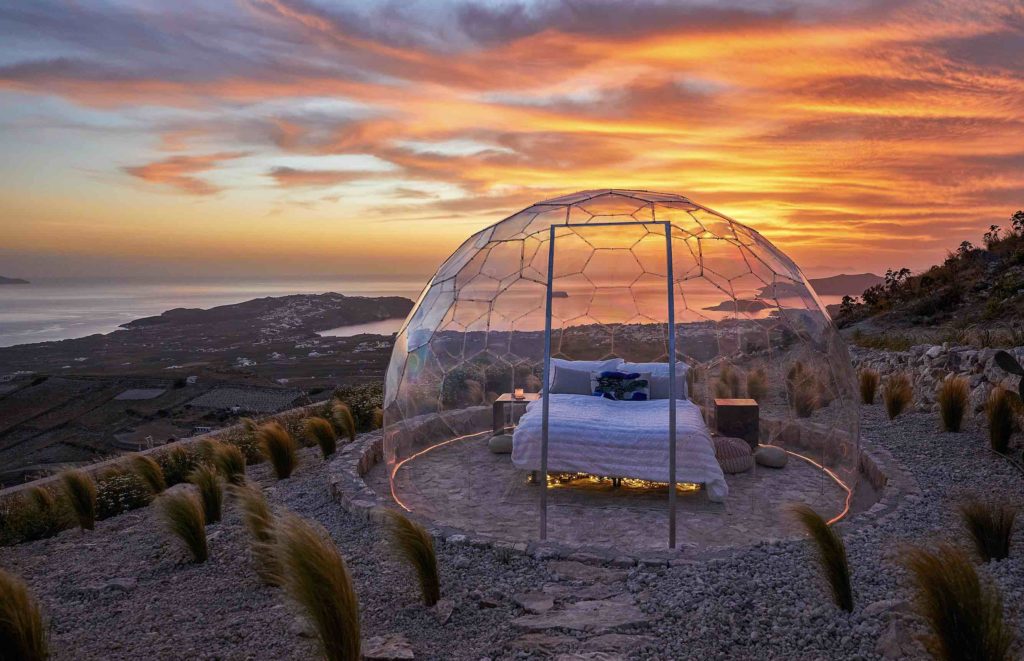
(316, 577)
(211, 492)
(964, 615)
(182, 511)
(869, 380)
(23, 635)
(990, 526)
(954, 398)
(149, 471)
(1002, 418)
(805, 398)
(757, 384)
(343, 419)
(321, 432)
(415, 544)
(831, 554)
(378, 418)
(80, 492)
(230, 461)
(260, 522)
(278, 446)
(897, 394)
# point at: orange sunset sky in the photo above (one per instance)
(307, 137)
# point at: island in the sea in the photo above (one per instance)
(12, 281)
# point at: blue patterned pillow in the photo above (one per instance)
(625, 386)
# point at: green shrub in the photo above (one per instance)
(363, 399)
(35, 514)
(119, 492)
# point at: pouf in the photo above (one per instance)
(733, 454)
(500, 444)
(771, 456)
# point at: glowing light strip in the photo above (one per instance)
(394, 471)
(827, 471)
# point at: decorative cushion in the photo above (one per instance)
(659, 377)
(625, 386)
(500, 444)
(570, 381)
(771, 456)
(733, 454)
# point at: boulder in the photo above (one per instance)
(771, 456)
(500, 444)
(733, 454)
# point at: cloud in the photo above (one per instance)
(180, 172)
(287, 177)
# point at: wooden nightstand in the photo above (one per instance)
(738, 418)
(510, 402)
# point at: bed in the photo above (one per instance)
(610, 438)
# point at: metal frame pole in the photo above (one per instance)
(671, 390)
(547, 394)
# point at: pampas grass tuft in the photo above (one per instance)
(868, 385)
(230, 461)
(990, 527)
(211, 493)
(1002, 420)
(378, 418)
(897, 393)
(415, 544)
(954, 400)
(757, 384)
(149, 472)
(320, 431)
(343, 419)
(279, 447)
(316, 577)
(22, 632)
(183, 513)
(80, 491)
(965, 616)
(259, 521)
(831, 553)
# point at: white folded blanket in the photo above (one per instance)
(598, 436)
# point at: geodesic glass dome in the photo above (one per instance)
(630, 276)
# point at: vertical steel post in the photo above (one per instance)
(671, 389)
(546, 392)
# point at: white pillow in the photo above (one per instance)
(659, 377)
(585, 365)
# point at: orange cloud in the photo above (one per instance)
(179, 171)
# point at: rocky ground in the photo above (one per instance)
(125, 591)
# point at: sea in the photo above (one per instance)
(59, 309)
(56, 309)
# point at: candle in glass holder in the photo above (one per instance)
(518, 393)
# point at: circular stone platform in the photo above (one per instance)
(463, 485)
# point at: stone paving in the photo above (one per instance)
(463, 485)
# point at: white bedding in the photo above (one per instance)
(609, 438)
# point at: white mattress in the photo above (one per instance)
(598, 436)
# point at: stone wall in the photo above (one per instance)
(928, 364)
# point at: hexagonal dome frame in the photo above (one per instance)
(638, 275)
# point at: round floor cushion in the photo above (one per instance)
(733, 454)
(500, 444)
(771, 456)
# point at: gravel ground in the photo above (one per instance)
(126, 591)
